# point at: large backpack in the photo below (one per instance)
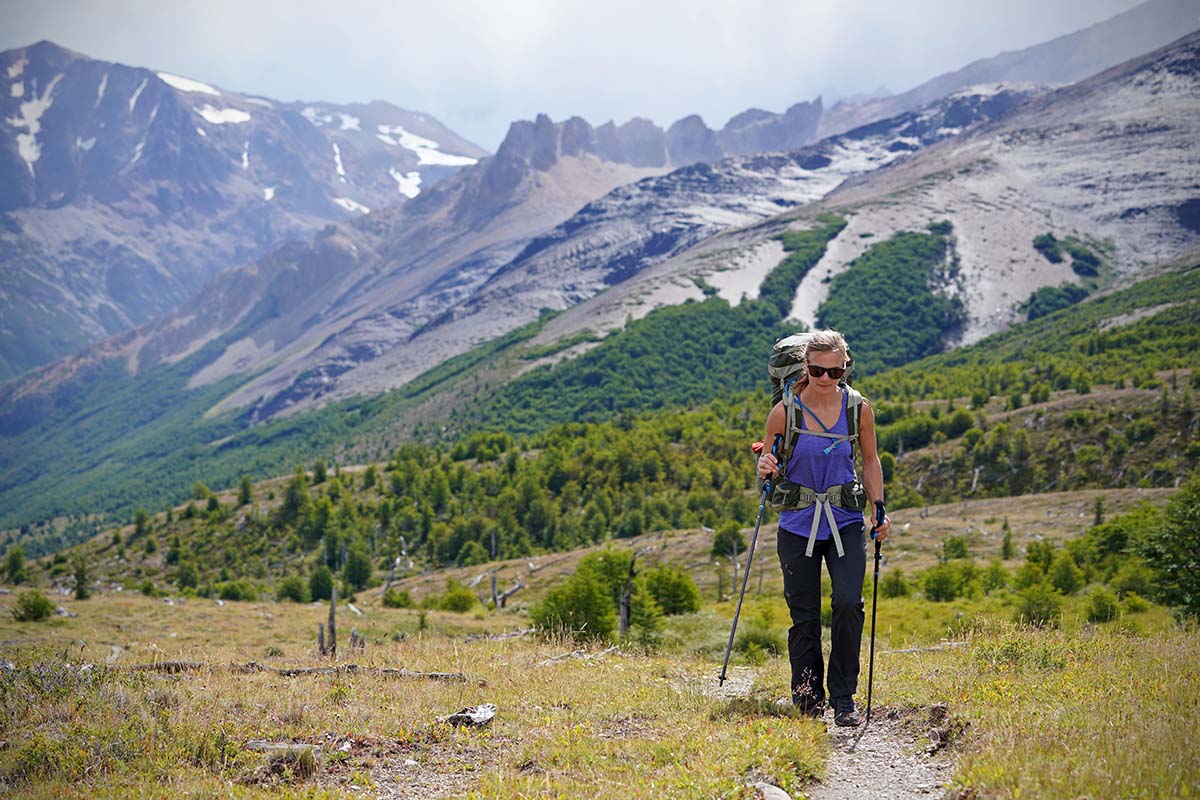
(786, 367)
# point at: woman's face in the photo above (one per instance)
(826, 368)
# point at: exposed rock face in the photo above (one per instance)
(608, 241)
(123, 191)
(758, 131)
(320, 307)
(689, 140)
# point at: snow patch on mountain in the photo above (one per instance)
(17, 67)
(246, 156)
(269, 193)
(337, 160)
(349, 123)
(100, 89)
(426, 149)
(137, 93)
(409, 183)
(17, 89)
(31, 115)
(85, 144)
(186, 84)
(316, 117)
(223, 116)
(740, 278)
(350, 205)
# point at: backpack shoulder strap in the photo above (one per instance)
(854, 401)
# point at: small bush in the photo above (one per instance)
(673, 589)
(457, 597)
(759, 637)
(32, 606)
(941, 583)
(1102, 605)
(394, 598)
(580, 606)
(293, 588)
(894, 584)
(240, 590)
(1064, 574)
(1134, 603)
(954, 547)
(1039, 605)
(320, 583)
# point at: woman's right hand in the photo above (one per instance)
(768, 465)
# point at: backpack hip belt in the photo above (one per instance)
(788, 496)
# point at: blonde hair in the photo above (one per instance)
(827, 341)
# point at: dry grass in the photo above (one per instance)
(1099, 711)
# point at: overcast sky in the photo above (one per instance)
(479, 64)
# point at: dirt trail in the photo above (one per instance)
(886, 759)
(890, 758)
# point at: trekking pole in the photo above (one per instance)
(749, 557)
(880, 513)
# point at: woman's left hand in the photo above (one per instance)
(882, 530)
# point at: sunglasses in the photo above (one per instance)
(834, 372)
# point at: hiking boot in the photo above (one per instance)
(845, 715)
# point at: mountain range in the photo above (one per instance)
(600, 225)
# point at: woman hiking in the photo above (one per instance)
(821, 502)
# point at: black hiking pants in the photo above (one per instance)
(802, 590)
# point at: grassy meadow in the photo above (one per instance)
(1084, 709)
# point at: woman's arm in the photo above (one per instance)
(872, 470)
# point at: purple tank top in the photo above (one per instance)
(810, 466)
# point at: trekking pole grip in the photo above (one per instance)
(880, 514)
(775, 452)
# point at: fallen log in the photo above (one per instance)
(348, 669)
(253, 667)
(168, 666)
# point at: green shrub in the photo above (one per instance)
(320, 583)
(1135, 603)
(994, 577)
(1039, 605)
(14, 564)
(239, 590)
(893, 584)
(32, 606)
(1065, 576)
(580, 606)
(293, 588)
(954, 547)
(1172, 552)
(673, 589)
(728, 540)
(395, 598)
(941, 583)
(457, 597)
(1102, 605)
(757, 636)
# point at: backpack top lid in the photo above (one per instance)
(786, 363)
